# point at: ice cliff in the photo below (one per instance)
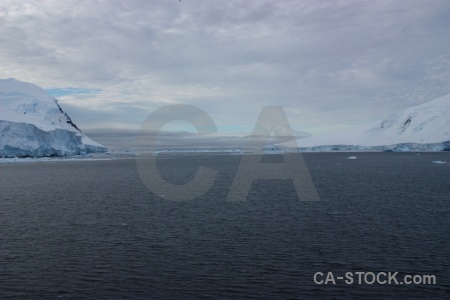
(33, 124)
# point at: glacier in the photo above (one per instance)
(33, 124)
(424, 127)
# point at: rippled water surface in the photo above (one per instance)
(91, 229)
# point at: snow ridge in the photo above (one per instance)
(424, 127)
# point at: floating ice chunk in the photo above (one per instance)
(439, 162)
(352, 157)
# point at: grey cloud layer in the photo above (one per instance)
(329, 63)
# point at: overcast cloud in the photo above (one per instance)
(330, 64)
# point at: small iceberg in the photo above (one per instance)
(439, 162)
(352, 157)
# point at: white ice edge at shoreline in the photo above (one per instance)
(52, 159)
(116, 155)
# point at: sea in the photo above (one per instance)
(91, 229)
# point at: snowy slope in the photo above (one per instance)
(33, 124)
(422, 127)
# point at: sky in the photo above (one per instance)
(329, 64)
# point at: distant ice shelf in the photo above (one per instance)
(402, 147)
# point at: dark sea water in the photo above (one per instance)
(92, 230)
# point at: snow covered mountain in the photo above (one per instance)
(425, 127)
(33, 124)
